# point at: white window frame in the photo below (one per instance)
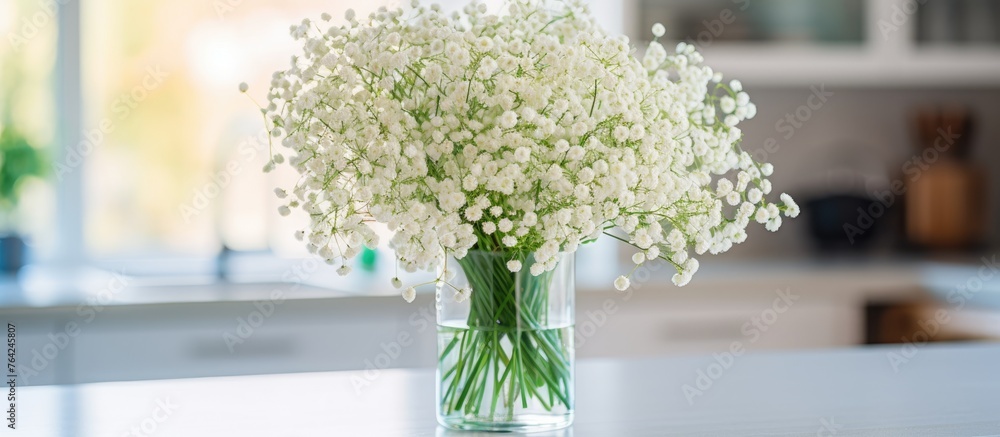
(70, 258)
(70, 250)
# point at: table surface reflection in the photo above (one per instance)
(930, 390)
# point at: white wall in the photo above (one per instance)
(872, 127)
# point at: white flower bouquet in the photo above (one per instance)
(522, 134)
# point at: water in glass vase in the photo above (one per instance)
(506, 357)
(495, 379)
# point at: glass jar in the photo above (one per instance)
(505, 349)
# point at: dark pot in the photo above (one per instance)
(12, 254)
(840, 222)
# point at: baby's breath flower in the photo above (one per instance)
(773, 224)
(727, 104)
(396, 283)
(765, 186)
(409, 294)
(762, 216)
(791, 208)
(659, 30)
(742, 99)
(508, 132)
(733, 198)
(772, 210)
(514, 265)
(462, 294)
(505, 225)
(680, 279)
(537, 269)
(508, 119)
(489, 228)
(639, 257)
(622, 283)
(522, 154)
(723, 187)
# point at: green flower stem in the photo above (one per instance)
(508, 350)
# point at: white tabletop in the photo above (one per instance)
(950, 390)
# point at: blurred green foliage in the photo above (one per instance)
(18, 160)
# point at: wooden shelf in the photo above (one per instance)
(854, 66)
(885, 60)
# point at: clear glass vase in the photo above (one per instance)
(505, 351)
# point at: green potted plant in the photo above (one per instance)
(19, 160)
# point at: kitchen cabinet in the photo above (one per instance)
(890, 47)
(174, 332)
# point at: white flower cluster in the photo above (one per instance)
(531, 131)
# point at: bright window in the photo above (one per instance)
(176, 167)
(27, 63)
(168, 152)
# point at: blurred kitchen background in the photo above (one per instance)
(141, 237)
